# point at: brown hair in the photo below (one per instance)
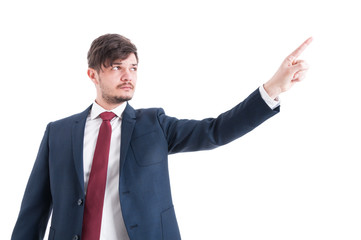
(107, 48)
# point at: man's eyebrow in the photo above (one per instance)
(120, 63)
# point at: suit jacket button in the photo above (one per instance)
(80, 202)
(134, 226)
(76, 237)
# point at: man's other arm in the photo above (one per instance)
(36, 204)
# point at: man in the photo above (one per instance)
(103, 173)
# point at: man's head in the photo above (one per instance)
(112, 66)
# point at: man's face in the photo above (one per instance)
(115, 84)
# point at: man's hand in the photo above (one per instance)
(290, 72)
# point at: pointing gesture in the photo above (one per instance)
(290, 72)
(299, 50)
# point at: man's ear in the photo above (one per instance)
(93, 75)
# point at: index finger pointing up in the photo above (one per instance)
(295, 54)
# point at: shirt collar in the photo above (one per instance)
(97, 110)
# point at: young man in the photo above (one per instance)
(103, 173)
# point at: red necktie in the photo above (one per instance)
(94, 200)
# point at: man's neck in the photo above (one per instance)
(108, 106)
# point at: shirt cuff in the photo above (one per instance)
(272, 103)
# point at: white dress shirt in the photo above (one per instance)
(112, 226)
(272, 103)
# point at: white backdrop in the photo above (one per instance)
(295, 177)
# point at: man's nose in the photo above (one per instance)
(126, 76)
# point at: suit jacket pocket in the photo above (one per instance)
(51, 233)
(150, 149)
(170, 228)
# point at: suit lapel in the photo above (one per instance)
(128, 122)
(77, 142)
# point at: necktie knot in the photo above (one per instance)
(107, 116)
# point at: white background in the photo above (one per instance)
(298, 176)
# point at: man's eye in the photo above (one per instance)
(115, 68)
(134, 69)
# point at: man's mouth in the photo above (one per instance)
(126, 86)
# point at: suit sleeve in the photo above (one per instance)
(194, 135)
(36, 204)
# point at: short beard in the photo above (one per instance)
(114, 99)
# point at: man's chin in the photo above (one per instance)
(123, 99)
(117, 99)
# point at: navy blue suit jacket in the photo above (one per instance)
(56, 183)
